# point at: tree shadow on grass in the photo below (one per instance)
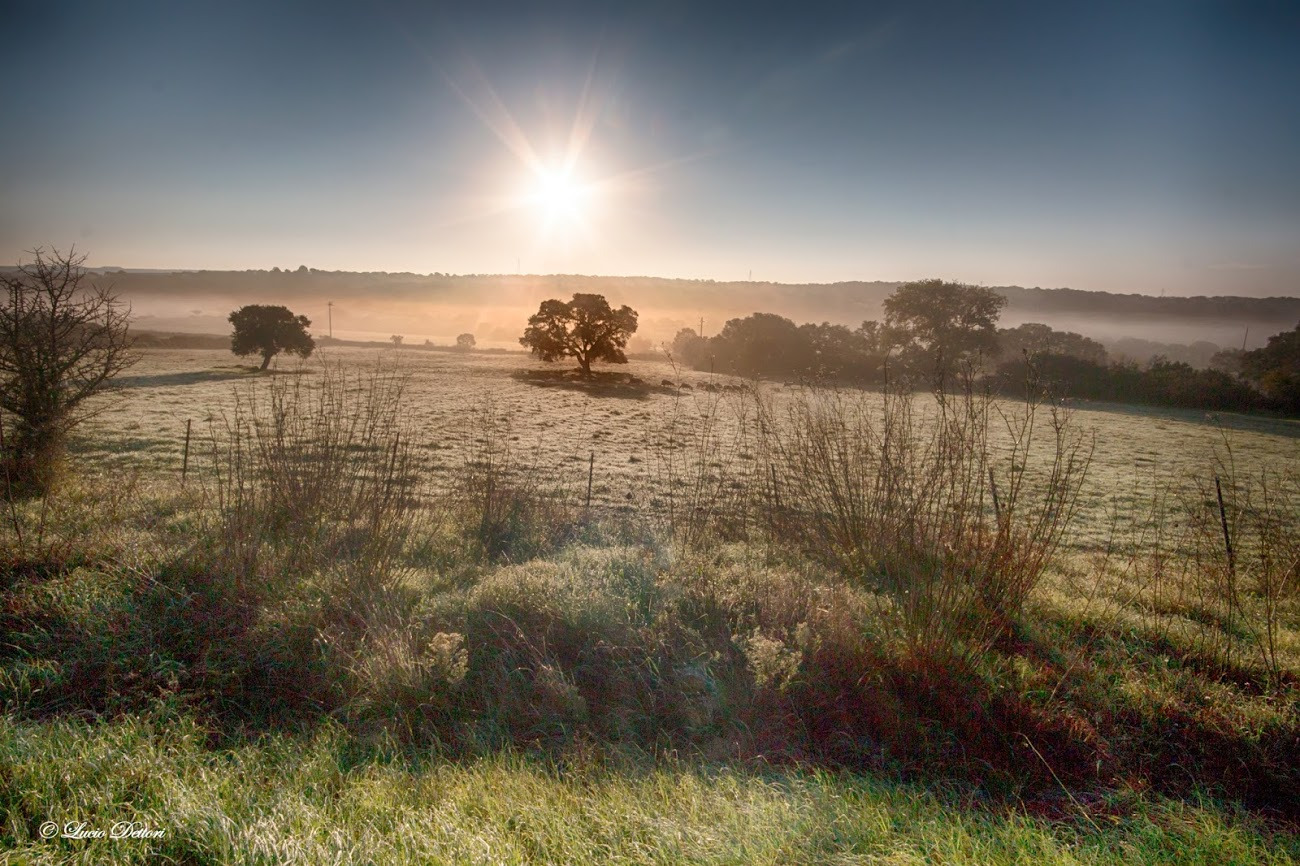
(601, 384)
(197, 377)
(119, 444)
(1274, 425)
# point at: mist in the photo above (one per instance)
(437, 307)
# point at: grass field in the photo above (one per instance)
(381, 625)
(555, 430)
(316, 801)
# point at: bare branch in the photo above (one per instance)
(62, 338)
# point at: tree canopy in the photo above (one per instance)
(761, 344)
(269, 330)
(1276, 367)
(586, 329)
(1034, 339)
(944, 322)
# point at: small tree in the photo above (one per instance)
(586, 329)
(268, 331)
(466, 342)
(761, 344)
(690, 348)
(61, 340)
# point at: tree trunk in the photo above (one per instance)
(266, 359)
(585, 363)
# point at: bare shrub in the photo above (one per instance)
(61, 340)
(1271, 524)
(950, 510)
(314, 473)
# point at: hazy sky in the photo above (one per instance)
(1134, 146)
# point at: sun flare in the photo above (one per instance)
(558, 196)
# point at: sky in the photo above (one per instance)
(1131, 147)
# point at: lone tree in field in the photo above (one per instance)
(466, 342)
(268, 331)
(944, 322)
(586, 329)
(61, 340)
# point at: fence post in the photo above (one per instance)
(1223, 520)
(997, 506)
(591, 472)
(1232, 565)
(185, 459)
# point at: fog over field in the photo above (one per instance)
(493, 307)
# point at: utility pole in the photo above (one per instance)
(701, 331)
(330, 306)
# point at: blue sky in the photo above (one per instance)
(1133, 147)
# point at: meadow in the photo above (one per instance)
(432, 607)
(554, 429)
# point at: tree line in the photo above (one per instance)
(934, 329)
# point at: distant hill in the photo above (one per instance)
(1075, 301)
(494, 307)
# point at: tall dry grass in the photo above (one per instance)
(313, 472)
(949, 507)
(705, 459)
(1237, 543)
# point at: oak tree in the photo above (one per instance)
(943, 323)
(266, 330)
(586, 329)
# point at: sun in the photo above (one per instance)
(558, 195)
(571, 190)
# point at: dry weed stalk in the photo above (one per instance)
(704, 461)
(901, 497)
(318, 468)
(500, 498)
(1242, 547)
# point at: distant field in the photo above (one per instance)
(555, 430)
